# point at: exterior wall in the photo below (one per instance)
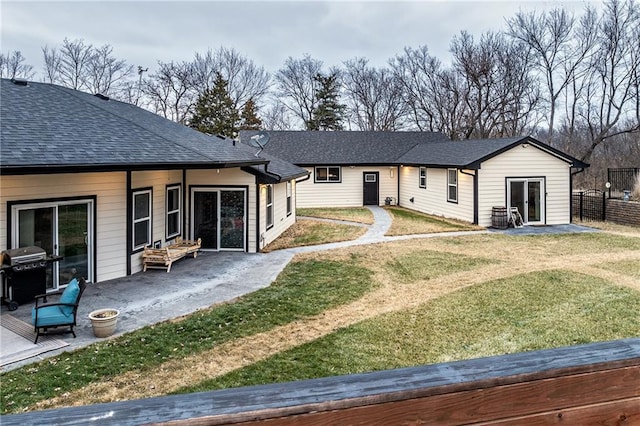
(111, 225)
(521, 162)
(111, 221)
(433, 198)
(348, 192)
(281, 221)
(157, 180)
(231, 178)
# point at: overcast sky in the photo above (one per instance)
(267, 32)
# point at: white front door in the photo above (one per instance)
(527, 194)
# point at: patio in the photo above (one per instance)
(146, 298)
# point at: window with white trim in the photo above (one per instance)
(269, 206)
(289, 192)
(452, 185)
(173, 209)
(141, 218)
(423, 177)
(327, 174)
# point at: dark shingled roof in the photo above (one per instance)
(432, 149)
(469, 154)
(46, 128)
(307, 148)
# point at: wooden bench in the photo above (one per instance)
(163, 258)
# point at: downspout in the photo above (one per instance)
(257, 216)
(398, 185)
(475, 194)
(571, 175)
(185, 210)
(272, 173)
(128, 221)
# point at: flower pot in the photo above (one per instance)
(104, 322)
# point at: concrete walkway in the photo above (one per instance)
(193, 284)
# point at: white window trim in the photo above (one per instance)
(327, 180)
(177, 211)
(422, 177)
(146, 218)
(289, 198)
(452, 185)
(269, 205)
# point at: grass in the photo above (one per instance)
(407, 222)
(351, 214)
(427, 264)
(304, 289)
(526, 312)
(311, 232)
(364, 308)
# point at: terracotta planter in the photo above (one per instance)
(104, 322)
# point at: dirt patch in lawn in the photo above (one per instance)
(505, 257)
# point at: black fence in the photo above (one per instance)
(621, 180)
(589, 205)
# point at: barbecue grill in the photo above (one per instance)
(24, 273)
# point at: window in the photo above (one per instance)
(327, 174)
(141, 219)
(173, 210)
(269, 206)
(423, 177)
(452, 185)
(289, 191)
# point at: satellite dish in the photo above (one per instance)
(259, 140)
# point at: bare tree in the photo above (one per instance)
(51, 64)
(610, 105)
(171, 90)
(106, 74)
(559, 49)
(75, 58)
(375, 96)
(276, 117)
(418, 73)
(12, 66)
(296, 86)
(500, 97)
(245, 79)
(82, 66)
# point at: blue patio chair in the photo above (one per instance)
(47, 315)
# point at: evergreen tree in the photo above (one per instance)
(249, 119)
(214, 111)
(329, 112)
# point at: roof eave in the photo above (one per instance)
(88, 168)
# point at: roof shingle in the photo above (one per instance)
(44, 127)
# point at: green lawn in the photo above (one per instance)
(352, 214)
(523, 313)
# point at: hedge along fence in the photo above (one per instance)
(592, 384)
(623, 212)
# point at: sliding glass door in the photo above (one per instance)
(62, 229)
(527, 194)
(219, 217)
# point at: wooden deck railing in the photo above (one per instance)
(593, 384)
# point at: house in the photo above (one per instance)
(425, 171)
(96, 180)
